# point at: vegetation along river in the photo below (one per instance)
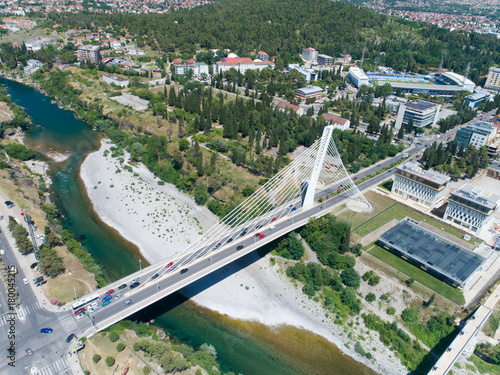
(242, 347)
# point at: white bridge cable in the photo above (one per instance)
(275, 199)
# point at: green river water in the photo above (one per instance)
(242, 347)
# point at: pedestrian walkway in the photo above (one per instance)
(67, 321)
(23, 311)
(61, 366)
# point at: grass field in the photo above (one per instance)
(424, 278)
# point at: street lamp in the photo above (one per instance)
(140, 265)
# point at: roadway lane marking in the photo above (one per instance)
(3, 320)
(20, 312)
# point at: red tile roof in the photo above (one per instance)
(334, 119)
(176, 61)
(293, 107)
(237, 60)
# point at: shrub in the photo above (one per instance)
(96, 358)
(19, 151)
(136, 347)
(390, 310)
(146, 370)
(367, 275)
(350, 277)
(110, 361)
(409, 315)
(120, 346)
(370, 297)
(374, 280)
(113, 336)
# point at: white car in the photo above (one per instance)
(2, 252)
(82, 315)
(272, 227)
(93, 308)
(118, 296)
(25, 281)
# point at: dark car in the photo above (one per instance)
(239, 248)
(258, 226)
(154, 276)
(70, 337)
(46, 330)
(184, 270)
(134, 285)
(229, 240)
(33, 266)
(217, 246)
(9, 204)
(123, 286)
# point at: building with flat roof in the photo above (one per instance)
(479, 134)
(263, 56)
(310, 54)
(241, 64)
(308, 74)
(493, 80)
(197, 68)
(437, 255)
(337, 121)
(425, 187)
(475, 99)
(89, 53)
(325, 59)
(358, 77)
(344, 59)
(469, 208)
(393, 102)
(308, 92)
(118, 81)
(423, 114)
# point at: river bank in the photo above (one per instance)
(160, 221)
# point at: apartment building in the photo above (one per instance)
(310, 54)
(493, 80)
(479, 134)
(423, 114)
(89, 53)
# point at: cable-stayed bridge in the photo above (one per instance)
(283, 204)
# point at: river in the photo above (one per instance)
(242, 347)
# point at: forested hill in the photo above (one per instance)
(284, 27)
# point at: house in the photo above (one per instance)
(118, 81)
(337, 121)
(284, 106)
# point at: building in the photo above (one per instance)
(240, 63)
(325, 60)
(89, 53)
(393, 102)
(440, 256)
(424, 187)
(308, 92)
(308, 74)
(310, 54)
(344, 59)
(197, 68)
(469, 208)
(493, 80)
(118, 81)
(263, 56)
(454, 79)
(358, 77)
(32, 66)
(423, 114)
(474, 100)
(479, 134)
(284, 106)
(337, 121)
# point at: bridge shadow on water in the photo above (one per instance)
(175, 299)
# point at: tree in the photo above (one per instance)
(348, 297)
(120, 346)
(19, 151)
(113, 336)
(96, 358)
(401, 132)
(110, 361)
(183, 144)
(370, 297)
(201, 194)
(409, 315)
(350, 277)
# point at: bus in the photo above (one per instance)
(85, 301)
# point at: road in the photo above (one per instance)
(50, 349)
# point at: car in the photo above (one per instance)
(389, 170)
(229, 240)
(243, 234)
(25, 281)
(261, 236)
(195, 256)
(355, 178)
(257, 234)
(46, 330)
(272, 227)
(169, 265)
(109, 292)
(1, 217)
(217, 246)
(155, 276)
(70, 337)
(184, 270)
(9, 204)
(93, 308)
(134, 285)
(29, 351)
(129, 302)
(136, 280)
(80, 311)
(239, 247)
(107, 298)
(2, 252)
(33, 266)
(258, 226)
(273, 219)
(118, 296)
(82, 315)
(293, 209)
(123, 286)
(106, 303)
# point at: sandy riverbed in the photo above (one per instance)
(161, 221)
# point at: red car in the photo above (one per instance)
(355, 178)
(261, 236)
(109, 292)
(273, 219)
(79, 311)
(257, 234)
(169, 265)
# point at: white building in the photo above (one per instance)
(469, 208)
(308, 74)
(198, 68)
(479, 134)
(32, 66)
(358, 77)
(423, 114)
(284, 106)
(427, 188)
(310, 54)
(493, 80)
(454, 79)
(118, 81)
(241, 63)
(337, 121)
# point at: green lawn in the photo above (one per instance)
(424, 278)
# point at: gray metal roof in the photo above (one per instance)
(309, 90)
(438, 254)
(419, 86)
